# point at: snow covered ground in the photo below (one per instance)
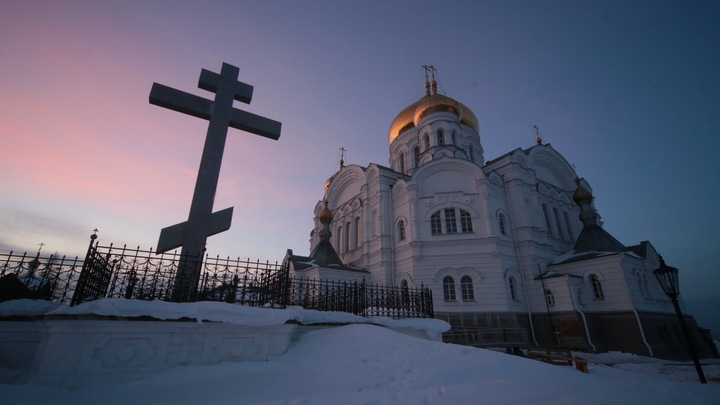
(369, 364)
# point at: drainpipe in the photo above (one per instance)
(392, 234)
(519, 260)
(582, 315)
(642, 332)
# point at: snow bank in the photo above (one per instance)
(366, 364)
(212, 312)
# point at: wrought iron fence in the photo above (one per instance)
(361, 298)
(38, 276)
(143, 275)
(122, 272)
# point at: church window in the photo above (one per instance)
(356, 232)
(449, 289)
(450, 222)
(643, 285)
(435, 224)
(446, 221)
(597, 287)
(417, 155)
(548, 224)
(465, 221)
(466, 287)
(440, 137)
(454, 138)
(556, 212)
(570, 232)
(346, 239)
(401, 230)
(427, 141)
(502, 222)
(549, 297)
(401, 162)
(513, 288)
(339, 239)
(470, 152)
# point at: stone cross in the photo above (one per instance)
(202, 221)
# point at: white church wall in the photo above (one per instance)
(614, 295)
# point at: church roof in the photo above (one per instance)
(593, 238)
(431, 103)
(324, 254)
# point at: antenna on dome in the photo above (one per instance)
(537, 135)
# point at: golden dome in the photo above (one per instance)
(325, 215)
(581, 194)
(411, 116)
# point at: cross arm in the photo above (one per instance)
(172, 237)
(210, 81)
(255, 124)
(180, 101)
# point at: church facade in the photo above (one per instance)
(512, 248)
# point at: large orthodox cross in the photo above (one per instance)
(202, 221)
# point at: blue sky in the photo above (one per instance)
(628, 92)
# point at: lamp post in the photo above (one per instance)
(667, 276)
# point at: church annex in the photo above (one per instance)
(512, 248)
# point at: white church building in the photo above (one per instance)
(512, 248)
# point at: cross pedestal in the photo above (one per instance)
(202, 221)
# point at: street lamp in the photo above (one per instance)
(667, 276)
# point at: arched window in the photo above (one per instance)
(449, 289)
(570, 232)
(450, 220)
(513, 288)
(405, 294)
(549, 297)
(401, 162)
(558, 223)
(427, 141)
(454, 138)
(643, 284)
(502, 222)
(436, 224)
(417, 155)
(339, 239)
(470, 152)
(597, 287)
(465, 221)
(548, 224)
(346, 239)
(440, 137)
(356, 234)
(401, 230)
(467, 288)
(448, 217)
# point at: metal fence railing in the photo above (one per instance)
(122, 272)
(38, 276)
(361, 298)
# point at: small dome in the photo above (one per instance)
(581, 194)
(411, 116)
(325, 215)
